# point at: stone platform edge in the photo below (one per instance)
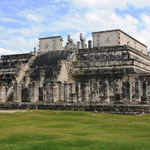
(126, 109)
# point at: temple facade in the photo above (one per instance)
(110, 73)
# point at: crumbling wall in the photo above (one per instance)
(10, 65)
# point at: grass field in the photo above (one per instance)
(69, 130)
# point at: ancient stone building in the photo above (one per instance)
(111, 75)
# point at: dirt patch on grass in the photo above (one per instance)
(12, 111)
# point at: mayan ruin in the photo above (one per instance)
(110, 73)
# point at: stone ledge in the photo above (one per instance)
(128, 109)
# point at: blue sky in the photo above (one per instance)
(22, 22)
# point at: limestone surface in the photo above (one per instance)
(110, 75)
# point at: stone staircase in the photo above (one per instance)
(21, 75)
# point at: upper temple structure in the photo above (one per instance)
(110, 73)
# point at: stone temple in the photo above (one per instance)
(109, 74)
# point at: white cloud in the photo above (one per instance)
(109, 4)
(31, 15)
(100, 15)
(32, 31)
(6, 19)
(1, 13)
(83, 16)
(6, 51)
(19, 44)
(34, 17)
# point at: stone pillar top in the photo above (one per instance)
(69, 39)
(82, 39)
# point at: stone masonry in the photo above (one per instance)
(110, 75)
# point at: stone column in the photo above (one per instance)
(2, 93)
(132, 91)
(144, 98)
(50, 99)
(55, 92)
(126, 89)
(79, 92)
(73, 96)
(73, 88)
(78, 45)
(66, 92)
(17, 92)
(140, 90)
(34, 92)
(49, 92)
(108, 91)
(89, 44)
(82, 39)
(118, 92)
(70, 93)
(93, 90)
(87, 89)
(45, 94)
(61, 92)
(74, 92)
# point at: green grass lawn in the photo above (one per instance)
(70, 130)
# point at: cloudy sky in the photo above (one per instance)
(22, 22)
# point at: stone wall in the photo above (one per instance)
(117, 37)
(114, 59)
(113, 79)
(128, 109)
(10, 66)
(86, 88)
(51, 44)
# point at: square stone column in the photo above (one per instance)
(55, 92)
(34, 92)
(132, 87)
(44, 94)
(50, 96)
(73, 88)
(49, 92)
(144, 96)
(118, 91)
(66, 92)
(61, 91)
(79, 92)
(72, 95)
(2, 93)
(87, 92)
(92, 92)
(17, 92)
(108, 91)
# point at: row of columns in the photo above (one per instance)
(128, 88)
(52, 92)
